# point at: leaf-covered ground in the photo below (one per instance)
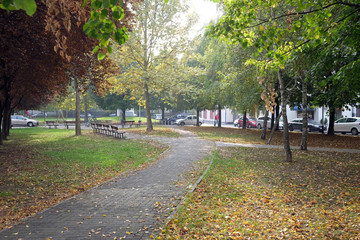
(254, 194)
(237, 135)
(40, 167)
(158, 131)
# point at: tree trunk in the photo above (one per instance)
(244, 120)
(331, 120)
(304, 136)
(274, 128)
(77, 109)
(277, 108)
(5, 121)
(272, 120)
(219, 109)
(149, 127)
(86, 108)
(123, 114)
(197, 117)
(285, 120)
(163, 114)
(263, 134)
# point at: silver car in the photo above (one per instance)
(18, 120)
(348, 125)
(189, 120)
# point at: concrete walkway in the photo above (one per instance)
(133, 207)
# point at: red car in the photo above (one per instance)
(250, 123)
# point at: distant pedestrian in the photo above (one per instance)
(216, 122)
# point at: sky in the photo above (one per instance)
(206, 10)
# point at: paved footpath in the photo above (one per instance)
(132, 207)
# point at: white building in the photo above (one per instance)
(317, 114)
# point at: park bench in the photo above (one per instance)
(71, 123)
(116, 132)
(130, 123)
(51, 124)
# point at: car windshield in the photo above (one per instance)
(312, 121)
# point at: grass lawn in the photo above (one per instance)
(236, 135)
(253, 194)
(40, 167)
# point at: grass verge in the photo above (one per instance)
(252, 194)
(236, 135)
(40, 167)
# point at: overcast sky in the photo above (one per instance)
(206, 10)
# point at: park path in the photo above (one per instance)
(132, 207)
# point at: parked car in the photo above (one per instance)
(112, 115)
(38, 115)
(18, 120)
(348, 125)
(189, 120)
(260, 123)
(313, 126)
(250, 122)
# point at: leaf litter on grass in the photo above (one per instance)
(253, 194)
(36, 175)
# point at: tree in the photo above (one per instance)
(280, 27)
(114, 101)
(149, 55)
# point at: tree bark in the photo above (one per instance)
(86, 108)
(286, 139)
(263, 134)
(77, 109)
(304, 136)
(197, 117)
(149, 125)
(244, 120)
(274, 128)
(163, 113)
(331, 120)
(123, 114)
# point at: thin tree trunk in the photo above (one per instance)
(331, 120)
(285, 120)
(86, 108)
(244, 120)
(219, 109)
(263, 134)
(123, 115)
(304, 136)
(197, 117)
(163, 114)
(77, 109)
(149, 127)
(274, 128)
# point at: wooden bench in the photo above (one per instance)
(116, 132)
(51, 124)
(130, 123)
(71, 123)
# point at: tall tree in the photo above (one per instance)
(148, 56)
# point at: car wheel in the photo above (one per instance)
(249, 126)
(291, 128)
(200, 123)
(30, 124)
(354, 131)
(259, 126)
(182, 124)
(309, 129)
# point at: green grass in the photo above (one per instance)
(253, 194)
(40, 167)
